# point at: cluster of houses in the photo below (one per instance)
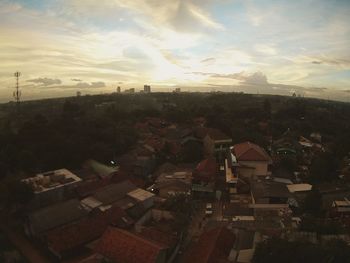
(115, 213)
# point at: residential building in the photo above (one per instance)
(213, 246)
(204, 177)
(54, 216)
(341, 208)
(216, 143)
(122, 246)
(252, 159)
(269, 192)
(65, 240)
(52, 187)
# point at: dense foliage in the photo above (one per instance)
(56, 133)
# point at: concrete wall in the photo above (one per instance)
(261, 168)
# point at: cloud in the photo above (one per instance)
(206, 60)
(256, 78)
(76, 80)
(332, 61)
(98, 84)
(45, 81)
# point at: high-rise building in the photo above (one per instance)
(147, 88)
(177, 90)
(131, 90)
(78, 93)
(118, 89)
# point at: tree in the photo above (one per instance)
(312, 203)
(323, 168)
(267, 107)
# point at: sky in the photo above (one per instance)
(262, 46)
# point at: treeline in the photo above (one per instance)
(64, 132)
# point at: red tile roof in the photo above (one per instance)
(206, 170)
(122, 246)
(156, 143)
(248, 151)
(153, 234)
(86, 230)
(201, 132)
(213, 246)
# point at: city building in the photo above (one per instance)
(52, 187)
(147, 88)
(252, 159)
(131, 90)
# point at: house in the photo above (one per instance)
(143, 197)
(341, 208)
(112, 193)
(213, 246)
(204, 177)
(54, 216)
(122, 246)
(169, 188)
(52, 187)
(68, 239)
(216, 143)
(269, 192)
(252, 159)
(172, 179)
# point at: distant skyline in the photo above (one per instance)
(263, 46)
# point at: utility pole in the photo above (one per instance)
(17, 93)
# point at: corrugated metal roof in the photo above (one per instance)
(299, 187)
(57, 215)
(140, 194)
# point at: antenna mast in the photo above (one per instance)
(17, 93)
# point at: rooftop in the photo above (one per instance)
(86, 230)
(299, 187)
(248, 151)
(114, 192)
(122, 246)
(269, 189)
(50, 180)
(213, 246)
(206, 170)
(140, 194)
(57, 215)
